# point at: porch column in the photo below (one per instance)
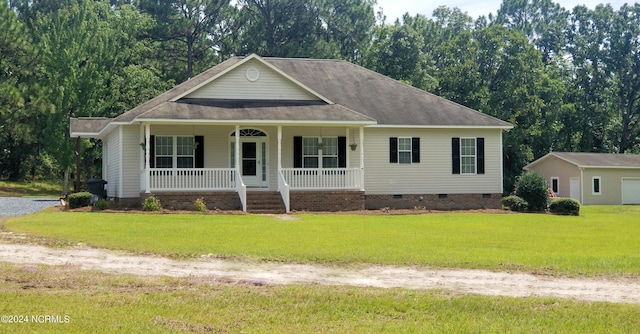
(279, 148)
(147, 158)
(361, 158)
(237, 157)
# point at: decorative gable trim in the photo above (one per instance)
(265, 63)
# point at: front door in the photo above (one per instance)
(253, 161)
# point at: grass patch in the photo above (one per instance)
(603, 241)
(98, 302)
(29, 189)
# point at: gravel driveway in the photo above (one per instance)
(18, 206)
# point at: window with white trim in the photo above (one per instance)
(404, 150)
(310, 152)
(329, 152)
(596, 185)
(168, 155)
(320, 152)
(468, 155)
(555, 185)
(185, 154)
(164, 152)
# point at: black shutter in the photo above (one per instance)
(393, 150)
(297, 152)
(152, 151)
(342, 152)
(480, 155)
(199, 160)
(455, 155)
(415, 149)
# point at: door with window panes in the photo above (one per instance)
(254, 166)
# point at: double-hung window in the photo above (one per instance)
(310, 152)
(330, 152)
(174, 151)
(404, 150)
(164, 152)
(185, 152)
(467, 155)
(319, 152)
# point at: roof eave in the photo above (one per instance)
(255, 121)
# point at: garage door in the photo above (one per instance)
(630, 191)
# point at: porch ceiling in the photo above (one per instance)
(252, 112)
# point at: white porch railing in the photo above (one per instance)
(198, 179)
(241, 188)
(322, 178)
(283, 188)
(192, 179)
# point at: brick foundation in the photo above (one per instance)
(125, 203)
(434, 201)
(186, 200)
(326, 200)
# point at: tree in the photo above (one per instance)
(588, 46)
(21, 100)
(495, 70)
(85, 48)
(396, 52)
(188, 32)
(542, 21)
(624, 64)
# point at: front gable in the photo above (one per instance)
(253, 80)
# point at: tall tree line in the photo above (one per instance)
(567, 79)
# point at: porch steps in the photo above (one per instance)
(264, 202)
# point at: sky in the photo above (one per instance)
(396, 8)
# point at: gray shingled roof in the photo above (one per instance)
(88, 125)
(360, 95)
(316, 112)
(600, 159)
(388, 101)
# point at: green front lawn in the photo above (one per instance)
(91, 302)
(604, 240)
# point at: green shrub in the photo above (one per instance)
(565, 206)
(200, 205)
(515, 203)
(151, 204)
(79, 200)
(533, 188)
(101, 204)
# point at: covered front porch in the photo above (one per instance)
(241, 158)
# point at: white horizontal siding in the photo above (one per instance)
(131, 151)
(112, 154)
(235, 85)
(433, 175)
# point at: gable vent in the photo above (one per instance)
(253, 74)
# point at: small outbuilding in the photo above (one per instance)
(592, 178)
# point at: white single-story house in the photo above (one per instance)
(280, 134)
(592, 178)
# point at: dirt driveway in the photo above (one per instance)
(620, 290)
